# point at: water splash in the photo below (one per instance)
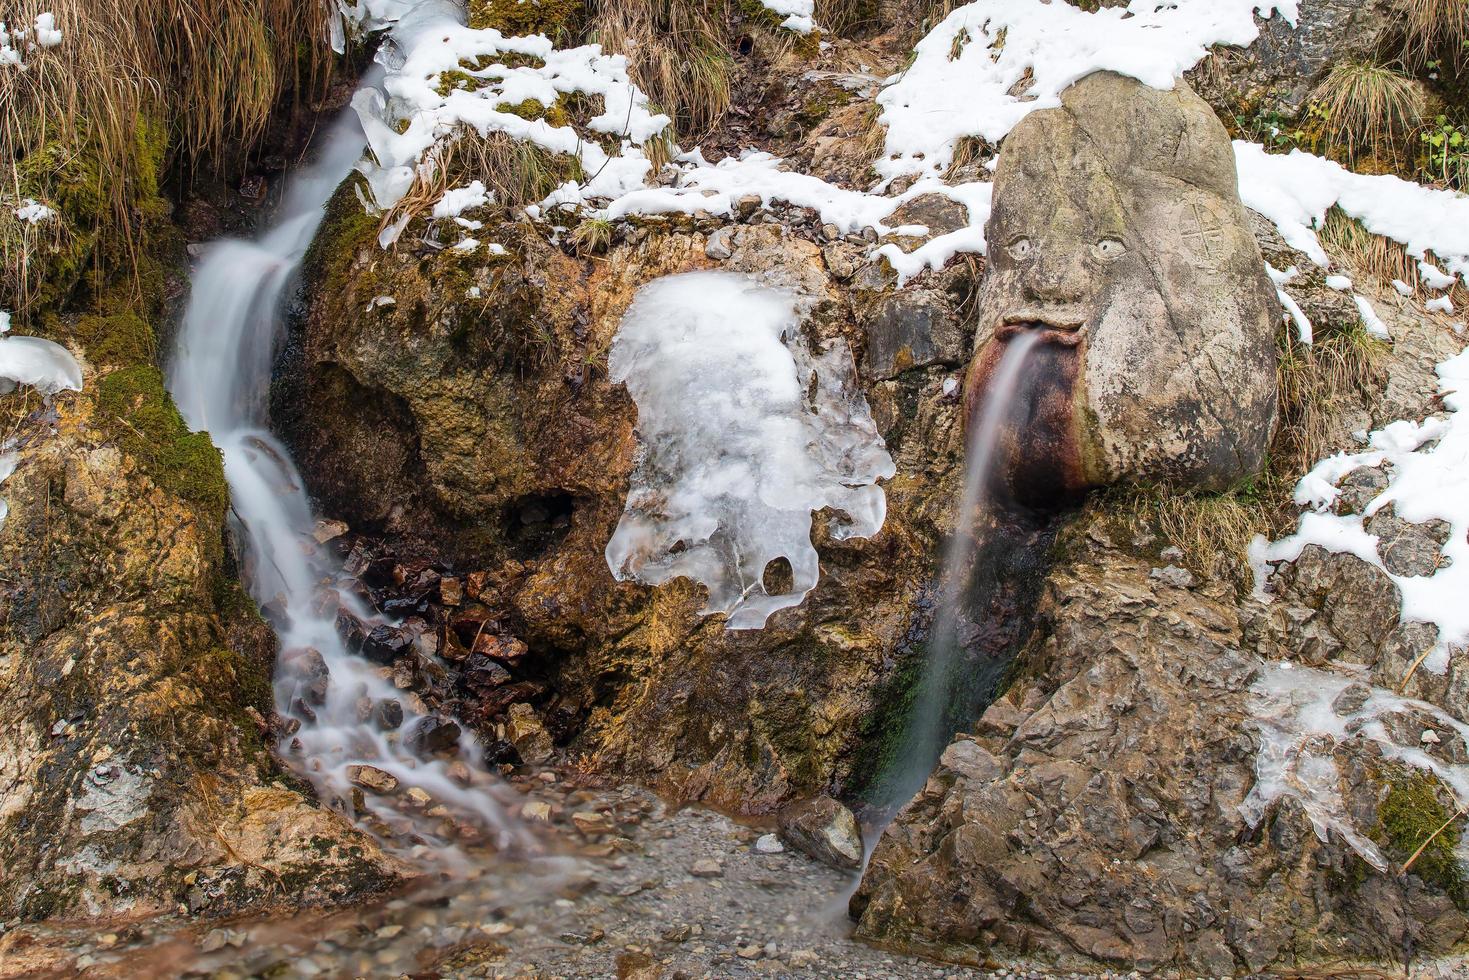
(220, 378)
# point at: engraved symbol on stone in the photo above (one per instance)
(1202, 230)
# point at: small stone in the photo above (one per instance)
(328, 531)
(718, 246)
(583, 938)
(388, 932)
(749, 952)
(1179, 578)
(592, 823)
(1172, 554)
(707, 868)
(419, 796)
(372, 778)
(525, 731)
(678, 934)
(497, 929)
(536, 810)
(769, 844)
(451, 591)
(1351, 700)
(1430, 737)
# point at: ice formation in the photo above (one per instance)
(1428, 478)
(46, 366)
(1301, 721)
(746, 430)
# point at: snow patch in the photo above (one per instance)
(1428, 478)
(745, 431)
(991, 63)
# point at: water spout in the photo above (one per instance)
(931, 720)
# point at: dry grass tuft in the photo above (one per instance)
(516, 171)
(1314, 381)
(1371, 110)
(1434, 28)
(1373, 256)
(135, 86)
(679, 55)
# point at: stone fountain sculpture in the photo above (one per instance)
(1118, 234)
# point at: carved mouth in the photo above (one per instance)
(1051, 331)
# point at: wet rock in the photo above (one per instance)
(525, 731)
(769, 844)
(536, 810)
(385, 644)
(451, 591)
(910, 329)
(824, 829)
(387, 714)
(1148, 296)
(373, 779)
(327, 530)
(1065, 850)
(483, 674)
(431, 735)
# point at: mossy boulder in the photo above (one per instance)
(135, 683)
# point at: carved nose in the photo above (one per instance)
(1057, 276)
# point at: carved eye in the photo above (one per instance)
(1020, 249)
(1108, 249)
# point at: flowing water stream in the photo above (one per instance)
(939, 702)
(347, 708)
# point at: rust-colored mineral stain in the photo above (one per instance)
(1038, 461)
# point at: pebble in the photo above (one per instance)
(707, 868)
(769, 844)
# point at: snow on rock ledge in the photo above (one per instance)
(746, 431)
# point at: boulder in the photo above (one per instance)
(824, 829)
(135, 681)
(1118, 241)
(1102, 814)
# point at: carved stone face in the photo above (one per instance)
(1118, 237)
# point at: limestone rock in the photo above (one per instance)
(1094, 818)
(824, 829)
(134, 675)
(1118, 238)
(525, 731)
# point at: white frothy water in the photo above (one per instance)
(220, 378)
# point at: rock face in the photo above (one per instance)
(472, 422)
(1118, 237)
(134, 685)
(1095, 815)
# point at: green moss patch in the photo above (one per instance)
(1412, 812)
(135, 406)
(560, 20)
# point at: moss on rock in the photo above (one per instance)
(560, 20)
(134, 404)
(1408, 818)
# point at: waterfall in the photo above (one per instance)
(929, 723)
(220, 378)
